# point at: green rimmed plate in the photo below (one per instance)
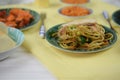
(116, 17)
(35, 15)
(53, 41)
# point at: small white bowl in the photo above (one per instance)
(74, 17)
(14, 34)
(65, 3)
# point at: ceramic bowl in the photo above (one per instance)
(75, 2)
(14, 34)
(77, 14)
(36, 17)
(116, 17)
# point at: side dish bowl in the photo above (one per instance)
(14, 34)
(74, 12)
(75, 2)
(15, 17)
(116, 17)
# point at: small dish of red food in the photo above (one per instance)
(74, 11)
(75, 1)
(18, 17)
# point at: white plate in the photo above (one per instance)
(16, 35)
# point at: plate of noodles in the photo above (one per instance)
(20, 18)
(81, 37)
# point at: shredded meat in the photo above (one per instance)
(17, 18)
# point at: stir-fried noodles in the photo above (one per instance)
(87, 36)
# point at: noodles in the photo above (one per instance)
(86, 36)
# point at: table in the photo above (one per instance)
(22, 65)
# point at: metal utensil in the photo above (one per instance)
(42, 27)
(106, 16)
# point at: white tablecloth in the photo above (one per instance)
(22, 65)
(113, 2)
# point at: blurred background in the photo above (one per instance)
(6, 2)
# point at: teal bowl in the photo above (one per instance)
(116, 17)
(36, 17)
(16, 35)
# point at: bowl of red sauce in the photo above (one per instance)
(75, 11)
(75, 1)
